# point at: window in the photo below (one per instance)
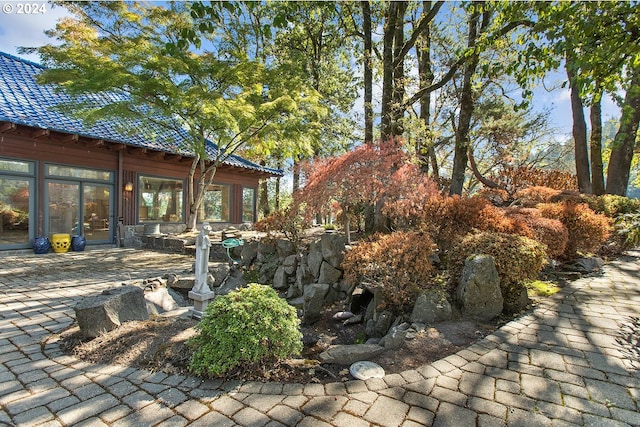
(79, 173)
(160, 199)
(216, 206)
(248, 204)
(16, 203)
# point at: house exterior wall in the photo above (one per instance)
(126, 163)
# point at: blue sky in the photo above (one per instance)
(27, 29)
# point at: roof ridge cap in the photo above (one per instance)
(23, 60)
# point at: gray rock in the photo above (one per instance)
(249, 253)
(329, 274)
(280, 279)
(383, 323)
(479, 289)
(333, 248)
(105, 312)
(586, 264)
(290, 264)
(348, 354)
(303, 276)
(266, 251)
(516, 298)
(431, 306)
(314, 258)
(234, 280)
(267, 271)
(314, 301)
(343, 315)
(181, 282)
(353, 320)
(395, 338)
(219, 272)
(284, 248)
(159, 300)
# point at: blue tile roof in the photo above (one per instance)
(23, 101)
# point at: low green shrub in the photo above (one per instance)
(518, 259)
(398, 264)
(612, 205)
(251, 326)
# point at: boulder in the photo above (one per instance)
(160, 300)
(181, 282)
(234, 280)
(266, 251)
(290, 264)
(314, 258)
(348, 354)
(329, 274)
(219, 272)
(280, 278)
(585, 265)
(284, 248)
(515, 297)
(395, 338)
(105, 312)
(314, 301)
(267, 271)
(333, 248)
(380, 324)
(479, 289)
(431, 306)
(249, 253)
(303, 276)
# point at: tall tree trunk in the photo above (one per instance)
(467, 102)
(386, 130)
(424, 143)
(368, 73)
(595, 145)
(624, 142)
(397, 111)
(579, 131)
(263, 204)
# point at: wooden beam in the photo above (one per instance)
(137, 150)
(70, 138)
(171, 156)
(118, 147)
(40, 133)
(156, 154)
(7, 127)
(94, 143)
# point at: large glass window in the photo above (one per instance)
(15, 203)
(248, 204)
(17, 217)
(160, 199)
(217, 204)
(80, 173)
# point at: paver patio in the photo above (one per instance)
(573, 360)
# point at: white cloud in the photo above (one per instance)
(21, 29)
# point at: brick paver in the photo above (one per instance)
(573, 360)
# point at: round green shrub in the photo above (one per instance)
(252, 325)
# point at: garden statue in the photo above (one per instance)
(201, 294)
(203, 244)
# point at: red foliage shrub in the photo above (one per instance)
(284, 221)
(587, 229)
(449, 219)
(531, 196)
(550, 232)
(397, 263)
(513, 179)
(406, 194)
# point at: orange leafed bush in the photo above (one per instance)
(449, 219)
(397, 263)
(550, 232)
(587, 229)
(531, 196)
